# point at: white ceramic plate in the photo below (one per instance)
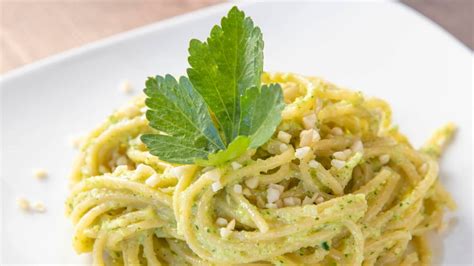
(383, 49)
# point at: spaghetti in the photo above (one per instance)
(337, 184)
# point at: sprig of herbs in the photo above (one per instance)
(222, 109)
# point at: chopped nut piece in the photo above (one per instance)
(273, 195)
(126, 87)
(238, 189)
(236, 165)
(252, 182)
(357, 146)
(309, 121)
(40, 173)
(337, 131)
(23, 203)
(284, 137)
(384, 159)
(301, 153)
(283, 147)
(39, 206)
(221, 222)
(338, 164)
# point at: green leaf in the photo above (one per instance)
(222, 68)
(234, 150)
(261, 113)
(224, 80)
(179, 113)
(173, 150)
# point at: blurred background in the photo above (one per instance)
(34, 29)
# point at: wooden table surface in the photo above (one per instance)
(31, 30)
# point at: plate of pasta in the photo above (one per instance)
(234, 140)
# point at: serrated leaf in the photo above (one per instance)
(224, 80)
(261, 113)
(180, 114)
(173, 150)
(227, 64)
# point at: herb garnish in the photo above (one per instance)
(222, 109)
(325, 245)
(177, 110)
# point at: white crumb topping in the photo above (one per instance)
(277, 187)
(38, 206)
(237, 189)
(313, 164)
(357, 146)
(221, 222)
(40, 173)
(292, 201)
(214, 174)
(384, 159)
(337, 131)
(23, 203)
(308, 137)
(178, 171)
(126, 87)
(342, 155)
(283, 147)
(236, 165)
(338, 164)
(319, 199)
(301, 153)
(224, 232)
(252, 182)
(231, 225)
(216, 186)
(273, 195)
(284, 137)
(271, 206)
(309, 121)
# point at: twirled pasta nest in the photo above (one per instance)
(350, 191)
